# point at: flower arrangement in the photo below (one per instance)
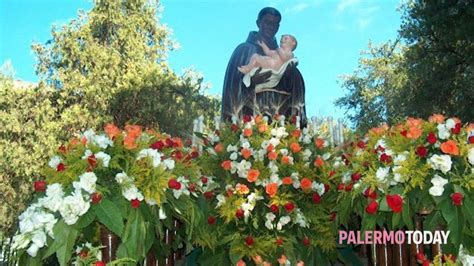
(134, 183)
(416, 167)
(266, 195)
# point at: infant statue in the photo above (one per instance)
(275, 61)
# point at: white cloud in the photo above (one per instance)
(344, 4)
(363, 22)
(301, 6)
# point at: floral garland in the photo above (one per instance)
(267, 194)
(104, 179)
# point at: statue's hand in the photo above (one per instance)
(259, 78)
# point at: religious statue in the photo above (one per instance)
(262, 78)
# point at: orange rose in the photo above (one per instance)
(111, 130)
(257, 259)
(413, 122)
(129, 142)
(133, 130)
(177, 142)
(318, 162)
(242, 189)
(296, 133)
(272, 155)
(306, 184)
(414, 132)
(252, 175)
(450, 147)
(266, 263)
(285, 160)
(287, 180)
(295, 147)
(73, 142)
(319, 143)
(262, 128)
(246, 153)
(436, 118)
(258, 119)
(247, 132)
(219, 148)
(227, 165)
(240, 263)
(271, 189)
(270, 147)
(282, 260)
(379, 130)
(300, 263)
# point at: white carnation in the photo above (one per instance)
(443, 131)
(54, 197)
(169, 163)
(470, 156)
(153, 154)
(54, 162)
(86, 182)
(73, 206)
(132, 193)
(104, 157)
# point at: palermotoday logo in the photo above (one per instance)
(393, 237)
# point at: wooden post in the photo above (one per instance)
(110, 242)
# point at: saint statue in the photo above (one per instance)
(256, 91)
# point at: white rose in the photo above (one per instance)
(86, 182)
(32, 250)
(450, 123)
(103, 141)
(470, 156)
(154, 155)
(104, 157)
(440, 162)
(382, 173)
(122, 178)
(233, 156)
(54, 162)
(169, 163)
(443, 131)
(132, 193)
(54, 197)
(73, 206)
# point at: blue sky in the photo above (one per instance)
(330, 33)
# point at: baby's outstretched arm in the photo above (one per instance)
(266, 50)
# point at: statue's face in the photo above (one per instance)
(268, 26)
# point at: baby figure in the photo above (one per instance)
(274, 59)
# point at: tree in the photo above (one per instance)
(110, 63)
(430, 72)
(374, 88)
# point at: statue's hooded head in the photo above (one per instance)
(268, 22)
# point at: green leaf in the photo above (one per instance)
(63, 245)
(134, 235)
(468, 209)
(395, 219)
(406, 215)
(109, 215)
(383, 206)
(86, 219)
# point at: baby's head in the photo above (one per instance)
(288, 41)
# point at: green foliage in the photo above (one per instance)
(427, 70)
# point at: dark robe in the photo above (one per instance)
(239, 100)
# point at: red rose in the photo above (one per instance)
(40, 186)
(169, 142)
(279, 241)
(431, 138)
(422, 151)
(471, 139)
(234, 128)
(92, 160)
(385, 158)
(174, 184)
(62, 149)
(135, 203)
(349, 187)
(100, 263)
(404, 133)
(96, 197)
(194, 154)
(192, 187)
(372, 207)
(157, 145)
(332, 216)
(289, 207)
(249, 241)
(326, 187)
(247, 118)
(372, 194)
(457, 128)
(61, 167)
(208, 195)
(395, 202)
(316, 198)
(306, 241)
(274, 208)
(340, 186)
(420, 257)
(211, 219)
(355, 177)
(239, 213)
(426, 263)
(178, 155)
(379, 149)
(204, 179)
(361, 144)
(457, 198)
